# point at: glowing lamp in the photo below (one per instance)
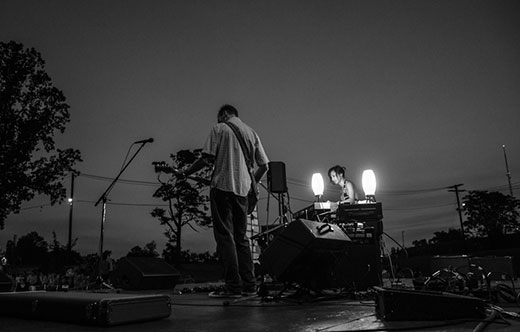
(369, 185)
(317, 185)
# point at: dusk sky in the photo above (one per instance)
(425, 93)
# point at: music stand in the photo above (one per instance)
(104, 199)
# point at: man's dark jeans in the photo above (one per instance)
(229, 216)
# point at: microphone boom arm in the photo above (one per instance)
(111, 186)
(104, 199)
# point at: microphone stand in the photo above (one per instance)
(104, 199)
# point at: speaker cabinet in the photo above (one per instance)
(360, 269)
(305, 252)
(268, 234)
(144, 273)
(276, 177)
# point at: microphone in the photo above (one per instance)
(150, 140)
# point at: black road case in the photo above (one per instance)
(103, 309)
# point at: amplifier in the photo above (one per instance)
(360, 212)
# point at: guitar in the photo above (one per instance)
(252, 198)
(165, 168)
(252, 195)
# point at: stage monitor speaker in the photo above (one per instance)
(359, 270)
(276, 177)
(144, 273)
(268, 234)
(305, 252)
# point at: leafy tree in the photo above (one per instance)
(149, 250)
(170, 252)
(206, 257)
(32, 110)
(187, 203)
(59, 255)
(420, 243)
(191, 257)
(443, 236)
(32, 249)
(489, 213)
(91, 263)
(10, 252)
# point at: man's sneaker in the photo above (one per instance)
(225, 294)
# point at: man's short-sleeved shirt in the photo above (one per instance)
(230, 170)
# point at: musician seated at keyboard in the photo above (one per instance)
(348, 194)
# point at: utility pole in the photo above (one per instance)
(508, 174)
(71, 203)
(456, 190)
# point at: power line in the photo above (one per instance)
(294, 182)
(410, 192)
(305, 184)
(419, 208)
(515, 185)
(35, 206)
(123, 204)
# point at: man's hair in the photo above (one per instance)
(338, 170)
(228, 109)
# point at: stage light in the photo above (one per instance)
(317, 185)
(369, 185)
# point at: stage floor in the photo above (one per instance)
(197, 312)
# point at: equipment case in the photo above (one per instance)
(103, 309)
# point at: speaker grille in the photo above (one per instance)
(276, 177)
(144, 273)
(306, 251)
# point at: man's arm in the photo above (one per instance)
(260, 171)
(203, 161)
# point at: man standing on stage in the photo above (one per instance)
(230, 184)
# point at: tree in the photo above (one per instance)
(420, 243)
(149, 250)
(489, 213)
(59, 255)
(32, 249)
(32, 110)
(444, 237)
(187, 203)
